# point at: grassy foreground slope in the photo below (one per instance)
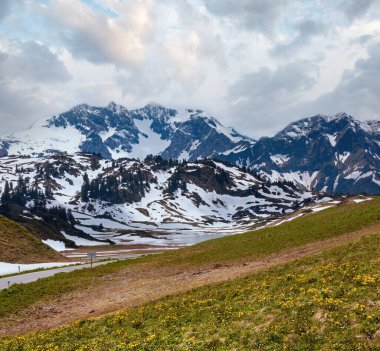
(237, 248)
(326, 302)
(17, 245)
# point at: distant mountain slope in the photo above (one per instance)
(17, 245)
(114, 199)
(335, 154)
(114, 132)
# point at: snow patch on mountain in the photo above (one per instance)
(40, 139)
(279, 159)
(332, 139)
(149, 141)
(343, 157)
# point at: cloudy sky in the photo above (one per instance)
(255, 64)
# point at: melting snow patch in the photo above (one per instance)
(326, 199)
(288, 220)
(55, 245)
(83, 242)
(10, 268)
(361, 200)
(317, 209)
(279, 159)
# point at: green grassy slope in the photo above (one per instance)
(249, 246)
(17, 245)
(313, 227)
(326, 302)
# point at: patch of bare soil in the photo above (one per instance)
(137, 285)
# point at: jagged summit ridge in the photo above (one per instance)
(321, 123)
(113, 131)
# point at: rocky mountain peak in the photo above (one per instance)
(113, 131)
(116, 108)
(320, 123)
(337, 116)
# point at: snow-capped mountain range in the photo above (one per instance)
(335, 154)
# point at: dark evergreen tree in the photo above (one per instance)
(5, 199)
(48, 193)
(85, 188)
(94, 163)
(20, 192)
(70, 216)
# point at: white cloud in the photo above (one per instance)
(99, 38)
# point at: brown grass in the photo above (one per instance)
(18, 245)
(139, 284)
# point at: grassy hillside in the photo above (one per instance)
(17, 245)
(327, 302)
(238, 248)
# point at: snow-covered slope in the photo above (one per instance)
(126, 196)
(115, 132)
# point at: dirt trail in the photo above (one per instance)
(134, 286)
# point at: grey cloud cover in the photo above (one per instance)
(23, 70)
(5, 7)
(255, 64)
(267, 93)
(18, 103)
(355, 8)
(260, 15)
(32, 62)
(274, 95)
(359, 89)
(306, 31)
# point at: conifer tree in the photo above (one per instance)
(85, 188)
(5, 198)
